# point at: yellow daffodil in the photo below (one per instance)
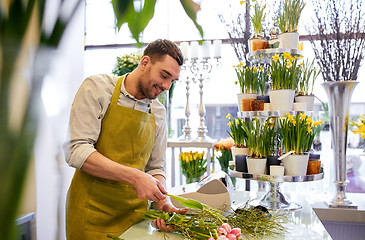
(289, 64)
(302, 116)
(290, 117)
(309, 121)
(276, 57)
(261, 68)
(361, 131)
(254, 69)
(228, 115)
(317, 123)
(294, 122)
(309, 130)
(287, 55)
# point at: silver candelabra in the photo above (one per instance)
(199, 71)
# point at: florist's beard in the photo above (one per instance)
(148, 92)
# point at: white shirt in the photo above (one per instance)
(88, 109)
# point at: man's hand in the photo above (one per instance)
(148, 187)
(166, 205)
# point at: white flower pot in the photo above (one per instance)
(256, 165)
(241, 96)
(281, 100)
(289, 40)
(309, 100)
(296, 165)
(299, 106)
(239, 151)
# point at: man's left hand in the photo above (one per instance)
(166, 205)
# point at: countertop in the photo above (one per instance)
(302, 224)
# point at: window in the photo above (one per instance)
(104, 43)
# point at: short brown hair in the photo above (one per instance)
(160, 47)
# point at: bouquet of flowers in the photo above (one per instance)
(210, 224)
(297, 132)
(237, 134)
(224, 147)
(126, 63)
(193, 165)
(285, 71)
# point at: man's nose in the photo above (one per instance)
(166, 85)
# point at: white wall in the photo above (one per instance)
(53, 175)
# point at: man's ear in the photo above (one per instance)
(144, 61)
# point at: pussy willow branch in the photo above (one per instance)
(238, 30)
(337, 36)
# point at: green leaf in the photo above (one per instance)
(191, 9)
(187, 202)
(121, 8)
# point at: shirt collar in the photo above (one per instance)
(125, 93)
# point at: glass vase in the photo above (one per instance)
(192, 179)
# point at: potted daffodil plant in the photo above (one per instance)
(238, 135)
(251, 80)
(285, 73)
(306, 83)
(287, 21)
(259, 142)
(257, 42)
(296, 136)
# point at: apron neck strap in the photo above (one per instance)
(116, 92)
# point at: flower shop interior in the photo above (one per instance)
(204, 104)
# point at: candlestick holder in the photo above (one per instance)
(198, 70)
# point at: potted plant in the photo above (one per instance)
(271, 143)
(238, 135)
(285, 75)
(257, 143)
(306, 83)
(250, 81)
(193, 165)
(257, 42)
(296, 136)
(287, 21)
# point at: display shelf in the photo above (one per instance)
(269, 178)
(265, 55)
(274, 199)
(248, 114)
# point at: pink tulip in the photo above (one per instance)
(231, 236)
(222, 237)
(227, 227)
(211, 238)
(236, 231)
(222, 231)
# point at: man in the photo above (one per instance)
(117, 145)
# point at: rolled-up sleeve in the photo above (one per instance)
(87, 111)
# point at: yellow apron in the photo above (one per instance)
(95, 206)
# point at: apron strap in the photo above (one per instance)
(116, 92)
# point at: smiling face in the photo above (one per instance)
(156, 76)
